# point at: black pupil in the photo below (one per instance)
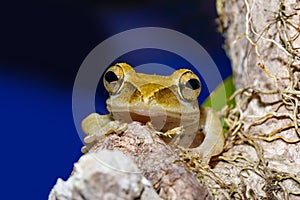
(193, 84)
(111, 76)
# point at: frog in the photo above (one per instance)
(168, 103)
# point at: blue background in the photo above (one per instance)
(42, 45)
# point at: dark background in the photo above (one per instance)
(42, 45)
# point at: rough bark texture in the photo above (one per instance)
(150, 159)
(262, 154)
(104, 175)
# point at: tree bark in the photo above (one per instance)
(147, 159)
(262, 153)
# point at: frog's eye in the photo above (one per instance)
(190, 86)
(113, 79)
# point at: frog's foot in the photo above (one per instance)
(170, 133)
(96, 126)
(166, 136)
(214, 138)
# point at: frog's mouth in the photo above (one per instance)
(160, 119)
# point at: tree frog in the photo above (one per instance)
(167, 102)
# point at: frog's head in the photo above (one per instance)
(166, 101)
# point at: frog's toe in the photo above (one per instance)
(84, 149)
(90, 138)
(113, 127)
(94, 122)
(123, 127)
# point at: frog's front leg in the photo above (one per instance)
(214, 140)
(96, 126)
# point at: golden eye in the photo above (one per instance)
(190, 86)
(113, 79)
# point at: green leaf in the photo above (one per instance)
(218, 98)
